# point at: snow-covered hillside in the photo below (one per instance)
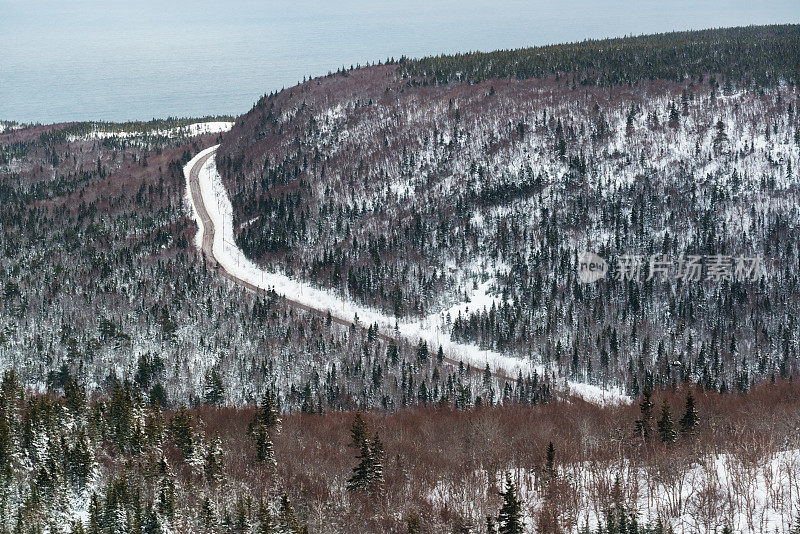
(430, 329)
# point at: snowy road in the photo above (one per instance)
(213, 213)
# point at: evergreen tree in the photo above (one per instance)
(95, 520)
(241, 523)
(690, 419)
(214, 393)
(166, 497)
(287, 519)
(362, 473)
(358, 430)
(265, 523)
(644, 425)
(392, 352)
(376, 449)
(180, 427)
(674, 117)
(491, 525)
(154, 426)
(795, 527)
(214, 462)
(74, 396)
(78, 461)
(422, 351)
(550, 459)
(509, 519)
(666, 428)
(264, 423)
(268, 416)
(265, 450)
(308, 400)
(208, 515)
(6, 444)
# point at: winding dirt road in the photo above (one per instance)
(207, 249)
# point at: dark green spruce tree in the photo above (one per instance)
(666, 428)
(509, 520)
(644, 425)
(690, 419)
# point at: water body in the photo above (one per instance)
(113, 60)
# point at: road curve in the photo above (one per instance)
(207, 231)
(207, 250)
(207, 247)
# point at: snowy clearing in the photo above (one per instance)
(702, 495)
(190, 130)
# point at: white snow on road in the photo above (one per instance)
(233, 260)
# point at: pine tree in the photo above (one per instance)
(510, 517)
(422, 351)
(166, 498)
(308, 400)
(795, 527)
(287, 519)
(491, 525)
(666, 428)
(362, 473)
(268, 416)
(154, 425)
(214, 462)
(690, 419)
(214, 392)
(674, 118)
(241, 523)
(265, 450)
(264, 423)
(721, 137)
(94, 515)
(550, 459)
(78, 461)
(644, 425)
(265, 523)
(376, 449)
(75, 396)
(6, 446)
(180, 427)
(208, 515)
(358, 430)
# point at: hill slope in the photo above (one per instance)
(406, 189)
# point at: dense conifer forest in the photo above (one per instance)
(143, 392)
(414, 195)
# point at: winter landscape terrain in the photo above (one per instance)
(360, 306)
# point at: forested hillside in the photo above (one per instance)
(99, 282)
(681, 461)
(753, 55)
(407, 186)
(142, 391)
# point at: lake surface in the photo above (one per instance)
(110, 60)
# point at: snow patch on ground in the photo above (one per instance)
(190, 130)
(750, 494)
